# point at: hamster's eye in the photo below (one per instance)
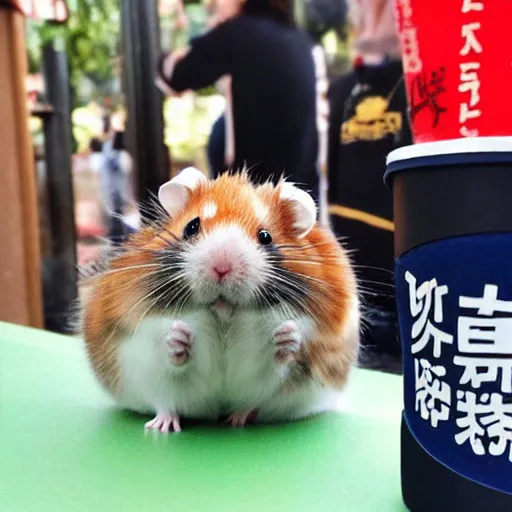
(264, 237)
(192, 228)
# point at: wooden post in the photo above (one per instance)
(145, 124)
(20, 258)
(60, 267)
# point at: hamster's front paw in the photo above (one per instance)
(179, 342)
(288, 341)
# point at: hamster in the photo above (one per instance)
(235, 304)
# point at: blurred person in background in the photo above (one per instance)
(116, 177)
(114, 166)
(95, 154)
(270, 123)
(368, 119)
(219, 151)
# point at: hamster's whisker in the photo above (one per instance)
(380, 283)
(294, 287)
(374, 268)
(171, 260)
(305, 276)
(173, 278)
(291, 278)
(287, 309)
(304, 261)
(134, 267)
(174, 243)
(265, 296)
(154, 201)
(148, 211)
(166, 256)
(299, 247)
(280, 303)
(155, 216)
(298, 260)
(316, 280)
(141, 250)
(307, 252)
(143, 316)
(179, 294)
(294, 292)
(162, 273)
(305, 257)
(86, 281)
(260, 296)
(167, 242)
(176, 238)
(170, 265)
(102, 265)
(144, 298)
(372, 292)
(287, 277)
(176, 286)
(175, 292)
(157, 299)
(183, 301)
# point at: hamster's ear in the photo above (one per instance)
(174, 194)
(304, 208)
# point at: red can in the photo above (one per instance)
(457, 57)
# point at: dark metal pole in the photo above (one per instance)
(145, 132)
(60, 275)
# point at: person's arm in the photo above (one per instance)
(208, 58)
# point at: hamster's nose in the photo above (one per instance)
(221, 270)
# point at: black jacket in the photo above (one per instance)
(368, 119)
(273, 88)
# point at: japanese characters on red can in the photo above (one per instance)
(457, 61)
(408, 38)
(470, 68)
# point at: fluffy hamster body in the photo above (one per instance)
(237, 304)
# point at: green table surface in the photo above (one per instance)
(64, 446)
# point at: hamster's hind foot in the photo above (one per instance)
(288, 341)
(240, 419)
(163, 422)
(179, 342)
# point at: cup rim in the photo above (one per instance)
(451, 147)
(467, 151)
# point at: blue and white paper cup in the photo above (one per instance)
(453, 244)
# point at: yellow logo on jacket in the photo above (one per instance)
(371, 121)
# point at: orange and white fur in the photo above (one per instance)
(237, 304)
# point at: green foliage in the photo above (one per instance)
(90, 39)
(188, 122)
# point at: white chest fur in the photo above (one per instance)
(232, 366)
